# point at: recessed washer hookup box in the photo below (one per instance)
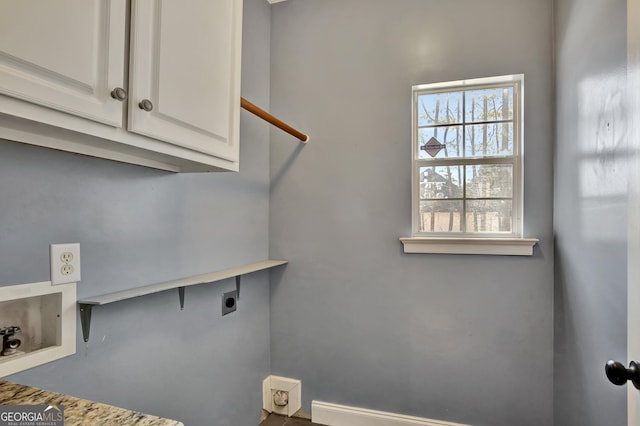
(37, 325)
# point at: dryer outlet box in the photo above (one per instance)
(276, 384)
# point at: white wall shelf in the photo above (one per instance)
(86, 305)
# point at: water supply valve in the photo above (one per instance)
(10, 344)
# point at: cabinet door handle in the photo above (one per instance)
(146, 105)
(119, 94)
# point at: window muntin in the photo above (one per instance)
(466, 158)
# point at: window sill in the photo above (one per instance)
(491, 246)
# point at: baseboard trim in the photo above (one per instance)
(342, 415)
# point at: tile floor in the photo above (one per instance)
(276, 420)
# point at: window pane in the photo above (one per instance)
(490, 181)
(439, 108)
(465, 148)
(439, 216)
(440, 182)
(450, 137)
(489, 140)
(489, 216)
(489, 104)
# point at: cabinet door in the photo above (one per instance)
(185, 60)
(65, 54)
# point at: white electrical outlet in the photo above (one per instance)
(65, 263)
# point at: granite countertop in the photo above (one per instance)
(78, 412)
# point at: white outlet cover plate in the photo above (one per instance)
(57, 263)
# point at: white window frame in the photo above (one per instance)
(503, 243)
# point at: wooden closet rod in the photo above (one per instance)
(273, 120)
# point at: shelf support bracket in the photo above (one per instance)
(181, 296)
(85, 320)
(238, 286)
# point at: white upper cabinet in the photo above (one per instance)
(64, 54)
(185, 58)
(174, 64)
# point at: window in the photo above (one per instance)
(467, 168)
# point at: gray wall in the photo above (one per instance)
(459, 338)
(138, 226)
(590, 211)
